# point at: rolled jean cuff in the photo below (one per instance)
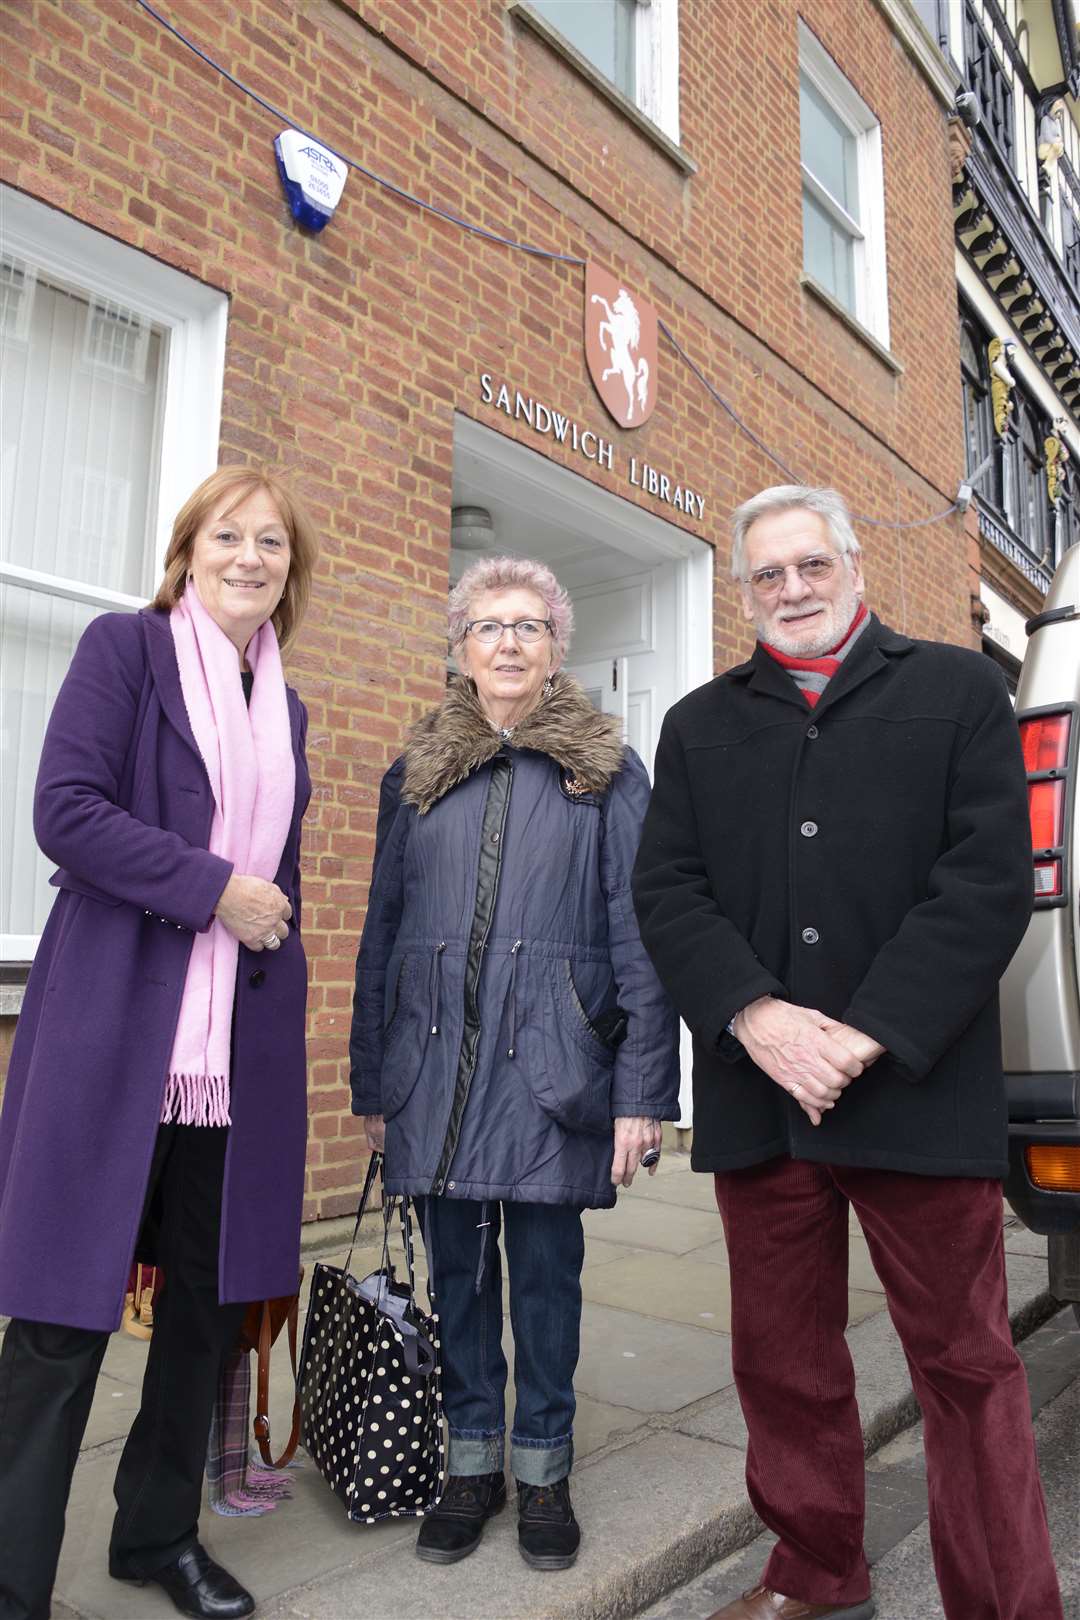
(541, 1462)
(473, 1452)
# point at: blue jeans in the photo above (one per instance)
(545, 1248)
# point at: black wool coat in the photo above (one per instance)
(870, 858)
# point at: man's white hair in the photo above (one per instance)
(827, 503)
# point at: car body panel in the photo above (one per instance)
(1040, 993)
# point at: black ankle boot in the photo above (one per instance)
(453, 1529)
(548, 1533)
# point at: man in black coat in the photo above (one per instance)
(834, 872)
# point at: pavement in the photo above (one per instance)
(659, 1441)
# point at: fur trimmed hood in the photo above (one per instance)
(450, 742)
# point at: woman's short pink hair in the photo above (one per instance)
(507, 574)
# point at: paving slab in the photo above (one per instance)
(672, 1288)
(714, 1253)
(648, 1364)
(694, 1190)
(647, 1223)
(677, 1288)
(599, 1253)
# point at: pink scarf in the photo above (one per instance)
(249, 759)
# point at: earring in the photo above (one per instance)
(549, 686)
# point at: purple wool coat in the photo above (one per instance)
(123, 806)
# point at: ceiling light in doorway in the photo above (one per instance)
(471, 529)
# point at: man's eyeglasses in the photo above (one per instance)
(812, 571)
(524, 629)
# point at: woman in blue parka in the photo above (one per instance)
(511, 1044)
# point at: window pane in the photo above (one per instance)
(82, 384)
(829, 148)
(37, 638)
(602, 30)
(828, 253)
(971, 426)
(81, 395)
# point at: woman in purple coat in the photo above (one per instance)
(158, 1071)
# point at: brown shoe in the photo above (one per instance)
(760, 1603)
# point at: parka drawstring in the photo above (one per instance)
(512, 995)
(483, 1226)
(433, 985)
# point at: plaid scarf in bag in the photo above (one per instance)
(240, 1485)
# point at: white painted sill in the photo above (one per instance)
(860, 331)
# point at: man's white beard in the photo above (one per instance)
(834, 627)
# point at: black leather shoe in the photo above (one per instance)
(196, 1585)
(452, 1530)
(548, 1533)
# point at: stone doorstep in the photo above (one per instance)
(658, 1503)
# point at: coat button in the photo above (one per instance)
(494, 838)
(450, 1185)
(809, 829)
(812, 732)
(256, 978)
(810, 936)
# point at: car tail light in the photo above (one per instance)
(1054, 1167)
(1045, 738)
(1045, 742)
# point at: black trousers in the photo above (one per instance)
(47, 1379)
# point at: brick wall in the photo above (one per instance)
(349, 353)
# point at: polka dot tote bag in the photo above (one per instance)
(369, 1383)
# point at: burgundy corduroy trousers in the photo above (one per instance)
(936, 1243)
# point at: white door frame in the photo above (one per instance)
(610, 519)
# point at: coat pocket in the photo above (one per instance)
(405, 1034)
(392, 1008)
(575, 1087)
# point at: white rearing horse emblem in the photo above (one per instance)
(619, 337)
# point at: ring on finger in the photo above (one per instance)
(271, 941)
(796, 1088)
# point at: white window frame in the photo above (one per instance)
(871, 268)
(195, 317)
(657, 64)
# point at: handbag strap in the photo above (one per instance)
(262, 1398)
(375, 1167)
(407, 1241)
(402, 1203)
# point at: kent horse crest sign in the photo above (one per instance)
(620, 348)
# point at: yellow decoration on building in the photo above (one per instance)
(1002, 382)
(1057, 457)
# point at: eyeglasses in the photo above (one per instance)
(812, 571)
(524, 629)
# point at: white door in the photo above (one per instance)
(604, 680)
(638, 612)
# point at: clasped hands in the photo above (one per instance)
(813, 1057)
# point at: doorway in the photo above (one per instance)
(641, 586)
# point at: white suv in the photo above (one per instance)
(1040, 994)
